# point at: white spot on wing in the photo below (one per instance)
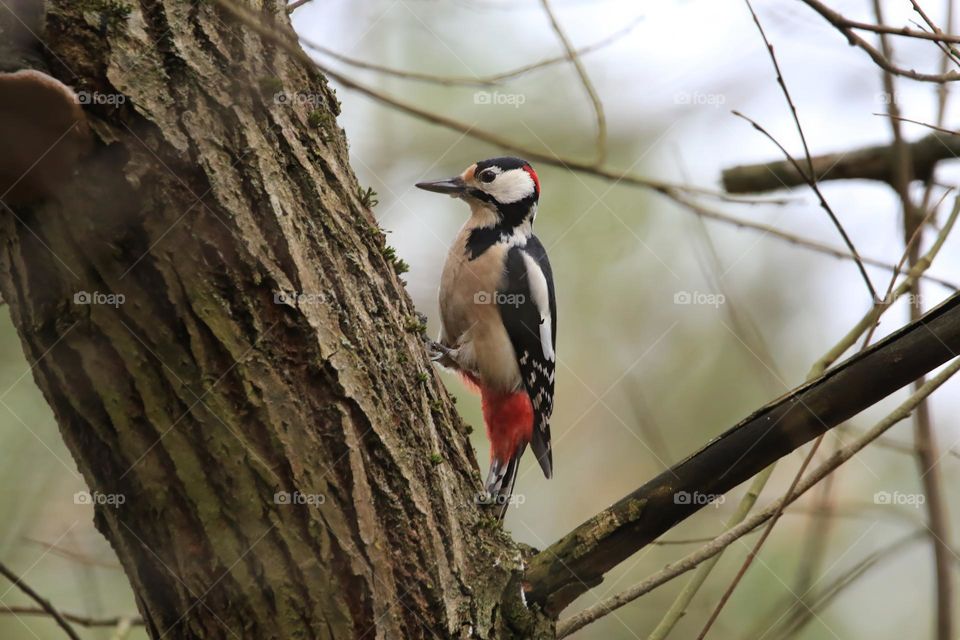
(541, 297)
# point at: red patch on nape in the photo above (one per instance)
(509, 421)
(533, 174)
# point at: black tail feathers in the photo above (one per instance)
(500, 482)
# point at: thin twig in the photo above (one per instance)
(675, 192)
(601, 154)
(468, 81)
(951, 52)
(759, 542)
(40, 600)
(922, 124)
(83, 621)
(816, 371)
(810, 175)
(847, 27)
(296, 4)
(291, 45)
(819, 367)
(806, 243)
(913, 244)
(926, 451)
(671, 571)
(755, 343)
(873, 315)
(794, 624)
(816, 538)
(816, 534)
(823, 203)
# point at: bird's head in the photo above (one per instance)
(506, 187)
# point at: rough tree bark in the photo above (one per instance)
(264, 345)
(203, 394)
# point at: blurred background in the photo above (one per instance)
(642, 381)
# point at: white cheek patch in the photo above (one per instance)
(511, 186)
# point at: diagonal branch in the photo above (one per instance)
(40, 600)
(566, 569)
(728, 537)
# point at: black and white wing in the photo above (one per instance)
(529, 312)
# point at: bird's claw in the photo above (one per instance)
(443, 356)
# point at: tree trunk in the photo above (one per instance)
(256, 387)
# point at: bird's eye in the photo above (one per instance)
(487, 176)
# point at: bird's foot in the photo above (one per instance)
(443, 356)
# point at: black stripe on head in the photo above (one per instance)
(504, 162)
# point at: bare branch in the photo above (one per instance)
(868, 163)
(813, 245)
(40, 600)
(950, 52)
(803, 612)
(468, 81)
(811, 178)
(949, 132)
(566, 569)
(926, 452)
(296, 4)
(83, 621)
(847, 27)
(566, 627)
(585, 81)
(675, 192)
(812, 183)
(871, 317)
(759, 543)
(755, 343)
(816, 370)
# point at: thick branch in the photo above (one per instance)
(578, 561)
(869, 163)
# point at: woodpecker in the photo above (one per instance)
(498, 313)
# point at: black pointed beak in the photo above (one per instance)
(452, 186)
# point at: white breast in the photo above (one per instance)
(470, 316)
